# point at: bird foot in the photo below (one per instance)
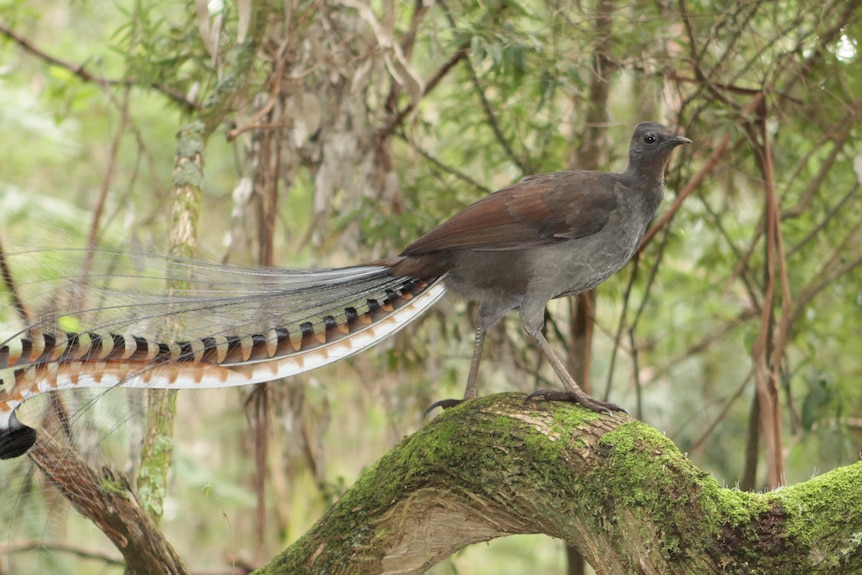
(444, 403)
(582, 399)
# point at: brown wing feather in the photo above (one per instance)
(538, 210)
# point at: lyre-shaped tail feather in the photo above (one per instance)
(282, 323)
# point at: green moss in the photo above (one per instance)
(816, 510)
(730, 507)
(629, 448)
(633, 483)
(568, 418)
(190, 140)
(116, 486)
(152, 476)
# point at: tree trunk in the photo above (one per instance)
(615, 489)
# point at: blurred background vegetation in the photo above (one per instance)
(355, 128)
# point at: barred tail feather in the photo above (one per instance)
(100, 358)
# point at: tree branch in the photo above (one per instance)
(85, 75)
(615, 489)
(484, 190)
(432, 82)
(106, 499)
(53, 546)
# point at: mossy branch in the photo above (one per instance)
(612, 487)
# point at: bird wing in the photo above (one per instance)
(538, 210)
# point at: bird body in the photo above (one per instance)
(547, 236)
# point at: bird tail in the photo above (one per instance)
(228, 326)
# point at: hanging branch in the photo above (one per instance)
(87, 76)
(768, 347)
(459, 54)
(11, 286)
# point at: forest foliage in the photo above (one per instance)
(333, 133)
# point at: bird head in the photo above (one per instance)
(650, 148)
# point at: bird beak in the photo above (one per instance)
(679, 140)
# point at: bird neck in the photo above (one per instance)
(646, 175)
(649, 170)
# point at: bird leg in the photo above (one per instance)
(472, 378)
(573, 392)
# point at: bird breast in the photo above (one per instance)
(578, 265)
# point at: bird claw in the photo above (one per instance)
(444, 403)
(584, 400)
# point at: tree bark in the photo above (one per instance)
(105, 498)
(612, 487)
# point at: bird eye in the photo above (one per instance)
(650, 139)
